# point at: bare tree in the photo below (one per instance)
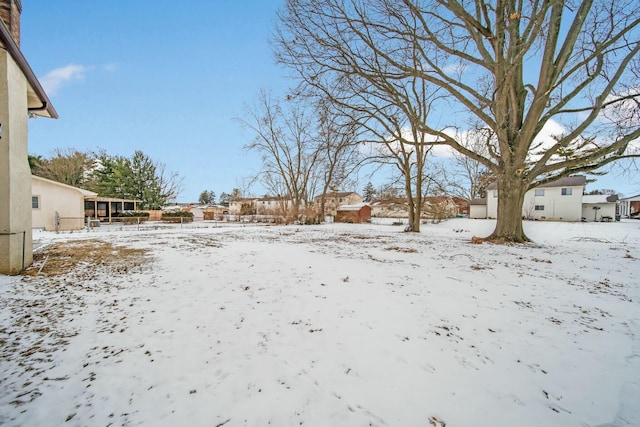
(470, 176)
(169, 183)
(390, 127)
(516, 66)
(68, 166)
(337, 145)
(288, 151)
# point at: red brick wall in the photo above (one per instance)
(10, 13)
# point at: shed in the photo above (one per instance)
(478, 208)
(355, 214)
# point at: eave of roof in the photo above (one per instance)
(37, 100)
(85, 193)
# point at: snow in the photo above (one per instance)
(331, 325)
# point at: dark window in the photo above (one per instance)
(566, 191)
(539, 207)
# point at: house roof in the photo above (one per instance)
(85, 193)
(38, 102)
(569, 181)
(394, 201)
(479, 202)
(593, 199)
(336, 194)
(632, 198)
(355, 207)
(273, 198)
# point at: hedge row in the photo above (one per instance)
(131, 214)
(177, 216)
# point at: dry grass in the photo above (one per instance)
(61, 258)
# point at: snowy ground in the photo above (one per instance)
(333, 325)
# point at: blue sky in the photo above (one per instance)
(164, 77)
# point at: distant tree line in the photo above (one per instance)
(208, 197)
(137, 177)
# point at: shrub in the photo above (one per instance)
(131, 217)
(177, 216)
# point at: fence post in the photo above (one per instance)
(57, 221)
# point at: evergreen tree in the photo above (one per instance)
(369, 192)
(224, 199)
(207, 197)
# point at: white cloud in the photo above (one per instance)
(57, 78)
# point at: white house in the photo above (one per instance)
(599, 207)
(278, 205)
(243, 205)
(21, 96)
(57, 206)
(630, 207)
(560, 200)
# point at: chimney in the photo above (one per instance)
(10, 11)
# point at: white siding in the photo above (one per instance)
(552, 205)
(54, 197)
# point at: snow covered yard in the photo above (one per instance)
(333, 325)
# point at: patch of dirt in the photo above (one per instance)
(61, 258)
(403, 250)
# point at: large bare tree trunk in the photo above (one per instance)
(509, 227)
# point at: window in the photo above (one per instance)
(539, 207)
(539, 191)
(495, 193)
(35, 202)
(566, 191)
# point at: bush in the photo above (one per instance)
(131, 217)
(178, 216)
(132, 214)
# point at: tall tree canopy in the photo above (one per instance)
(554, 81)
(67, 166)
(138, 177)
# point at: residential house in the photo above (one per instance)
(275, 205)
(354, 214)
(441, 207)
(599, 207)
(390, 208)
(211, 212)
(630, 207)
(21, 96)
(335, 199)
(56, 206)
(462, 206)
(436, 207)
(559, 200)
(243, 206)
